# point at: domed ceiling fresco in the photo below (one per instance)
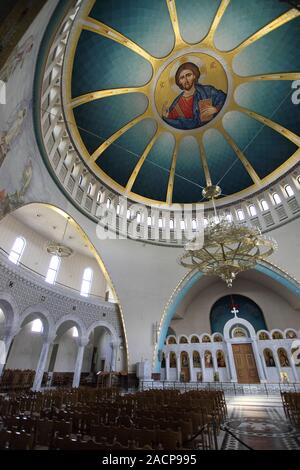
(164, 97)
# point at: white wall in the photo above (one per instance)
(277, 311)
(25, 350)
(36, 258)
(67, 353)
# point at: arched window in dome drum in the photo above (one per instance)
(276, 198)
(240, 214)
(264, 205)
(288, 190)
(252, 210)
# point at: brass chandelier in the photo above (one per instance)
(59, 248)
(228, 248)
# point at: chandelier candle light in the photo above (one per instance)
(228, 248)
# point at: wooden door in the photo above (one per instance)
(245, 365)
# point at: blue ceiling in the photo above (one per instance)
(101, 63)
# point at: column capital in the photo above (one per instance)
(83, 342)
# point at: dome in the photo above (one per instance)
(162, 100)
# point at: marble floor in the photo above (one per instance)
(259, 422)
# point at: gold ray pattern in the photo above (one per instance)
(96, 95)
(172, 173)
(100, 28)
(273, 125)
(272, 76)
(252, 173)
(118, 134)
(175, 24)
(141, 161)
(281, 20)
(209, 39)
(227, 57)
(204, 162)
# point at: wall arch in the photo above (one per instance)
(11, 312)
(106, 325)
(93, 250)
(38, 311)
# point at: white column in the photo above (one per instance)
(7, 340)
(278, 366)
(215, 362)
(41, 366)
(167, 366)
(291, 361)
(78, 365)
(231, 363)
(178, 366)
(264, 365)
(191, 366)
(261, 374)
(113, 365)
(203, 366)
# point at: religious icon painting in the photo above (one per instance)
(191, 91)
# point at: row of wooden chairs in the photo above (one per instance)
(16, 379)
(291, 406)
(170, 421)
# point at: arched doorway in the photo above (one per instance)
(241, 340)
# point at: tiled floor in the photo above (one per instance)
(260, 423)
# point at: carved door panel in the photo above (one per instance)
(245, 363)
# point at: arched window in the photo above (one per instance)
(276, 198)
(171, 224)
(288, 190)
(149, 221)
(75, 332)
(128, 215)
(264, 205)
(37, 326)
(298, 179)
(229, 217)
(17, 250)
(108, 202)
(194, 225)
(240, 214)
(53, 269)
(252, 210)
(80, 180)
(138, 218)
(160, 223)
(86, 282)
(182, 225)
(99, 196)
(90, 187)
